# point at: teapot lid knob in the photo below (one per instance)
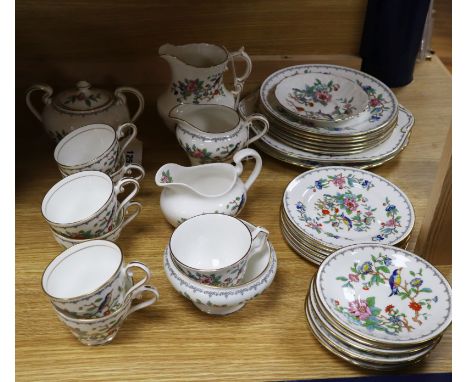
(83, 85)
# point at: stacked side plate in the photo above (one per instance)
(331, 207)
(378, 307)
(356, 133)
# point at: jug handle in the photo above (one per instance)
(239, 81)
(141, 101)
(46, 98)
(266, 125)
(243, 154)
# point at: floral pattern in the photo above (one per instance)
(391, 226)
(321, 94)
(222, 278)
(377, 103)
(380, 270)
(198, 90)
(82, 97)
(204, 156)
(234, 206)
(166, 177)
(343, 210)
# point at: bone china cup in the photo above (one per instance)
(88, 280)
(214, 248)
(93, 147)
(84, 205)
(100, 331)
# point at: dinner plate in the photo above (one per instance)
(321, 98)
(383, 105)
(386, 150)
(385, 294)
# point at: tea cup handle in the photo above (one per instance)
(143, 281)
(46, 98)
(120, 187)
(239, 80)
(144, 304)
(264, 237)
(129, 168)
(141, 101)
(133, 215)
(242, 154)
(266, 125)
(121, 132)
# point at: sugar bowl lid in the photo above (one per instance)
(83, 99)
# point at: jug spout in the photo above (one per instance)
(167, 176)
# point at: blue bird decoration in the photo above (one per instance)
(347, 221)
(105, 303)
(394, 281)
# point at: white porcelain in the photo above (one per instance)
(214, 248)
(213, 133)
(396, 142)
(100, 331)
(197, 76)
(208, 188)
(261, 270)
(338, 206)
(123, 219)
(84, 205)
(82, 106)
(387, 361)
(93, 147)
(382, 106)
(88, 280)
(321, 98)
(385, 294)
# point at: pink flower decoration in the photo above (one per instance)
(374, 102)
(391, 223)
(359, 309)
(353, 278)
(351, 204)
(339, 181)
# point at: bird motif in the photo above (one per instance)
(346, 221)
(104, 303)
(394, 281)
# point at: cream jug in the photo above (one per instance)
(213, 133)
(197, 76)
(207, 188)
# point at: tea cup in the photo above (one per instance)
(123, 219)
(100, 331)
(214, 249)
(85, 205)
(88, 280)
(93, 147)
(127, 170)
(213, 133)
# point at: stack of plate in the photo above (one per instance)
(331, 207)
(304, 132)
(378, 307)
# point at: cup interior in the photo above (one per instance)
(81, 269)
(77, 197)
(210, 242)
(84, 145)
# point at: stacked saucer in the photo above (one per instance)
(327, 114)
(332, 207)
(378, 307)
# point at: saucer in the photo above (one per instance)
(261, 270)
(384, 295)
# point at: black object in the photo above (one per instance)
(391, 39)
(394, 376)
